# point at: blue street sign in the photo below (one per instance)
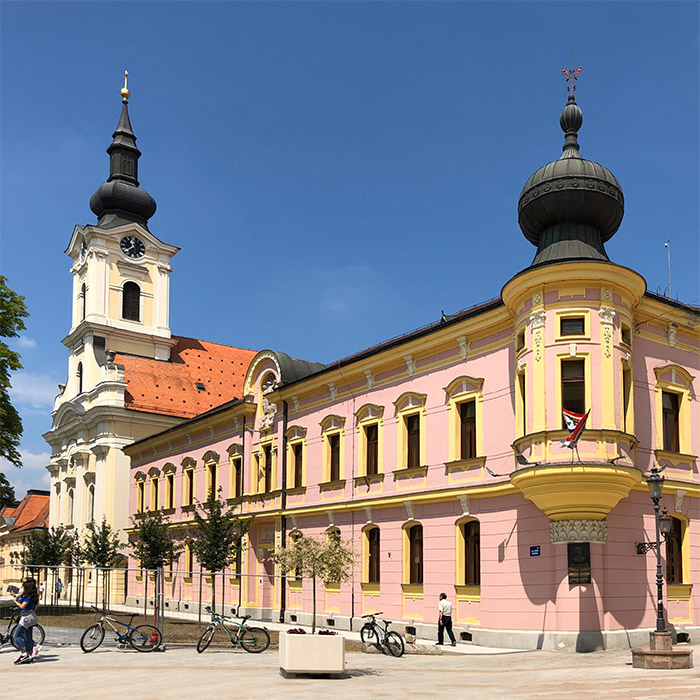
(535, 550)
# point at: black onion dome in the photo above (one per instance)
(570, 207)
(120, 200)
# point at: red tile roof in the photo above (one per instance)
(32, 512)
(171, 388)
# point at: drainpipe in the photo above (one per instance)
(283, 519)
(243, 579)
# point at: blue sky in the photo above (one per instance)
(335, 173)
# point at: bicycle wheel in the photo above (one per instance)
(205, 639)
(38, 635)
(394, 643)
(368, 634)
(92, 638)
(145, 638)
(255, 639)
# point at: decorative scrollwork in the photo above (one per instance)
(578, 531)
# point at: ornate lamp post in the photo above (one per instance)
(663, 525)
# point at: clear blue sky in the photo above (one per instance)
(335, 173)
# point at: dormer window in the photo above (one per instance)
(131, 302)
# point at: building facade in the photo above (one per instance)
(128, 376)
(439, 453)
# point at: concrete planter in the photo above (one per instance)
(311, 653)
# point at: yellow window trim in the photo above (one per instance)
(298, 438)
(409, 404)
(677, 380)
(370, 588)
(572, 313)
(461, 390)
(679, 591)
(468, 594)
(412, 590)
(367, 415)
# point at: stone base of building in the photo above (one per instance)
(661, 654)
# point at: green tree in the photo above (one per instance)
(46, 547)
(217, 538)
(102, 547)
(154, 546)
(327, 559)
(7, 493)
(12, 311)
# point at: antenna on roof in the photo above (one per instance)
(667, 245)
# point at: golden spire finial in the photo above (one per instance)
(124, 92)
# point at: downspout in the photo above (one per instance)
(243, 579)
(283, 518)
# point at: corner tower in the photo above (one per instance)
(573, 311)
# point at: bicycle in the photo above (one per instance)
(37, 631)
(252, 639)
(143, 638)
(372, 633)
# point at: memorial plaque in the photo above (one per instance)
(579, 563)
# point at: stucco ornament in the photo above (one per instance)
(537, 319)
(410, 367)
(606, 314)
(578, 531)
(269, 408)
(607, 318)
(672, 330)
(462, 341)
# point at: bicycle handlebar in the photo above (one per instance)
(373, 614)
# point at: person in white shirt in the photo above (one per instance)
(445, 620)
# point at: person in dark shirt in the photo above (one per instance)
(26, 600)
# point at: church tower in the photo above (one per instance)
(120, 306)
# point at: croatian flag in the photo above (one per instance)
(574, 424)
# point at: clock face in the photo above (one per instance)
(132, 247)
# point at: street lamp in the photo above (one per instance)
(656, 482)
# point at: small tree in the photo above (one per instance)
(217, 537)
(7, 492)
(328, 559)
(102, 548)
(154, 546)
(46, 547)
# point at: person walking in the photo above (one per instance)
(59, 588)
(445, 621)
(26, 600)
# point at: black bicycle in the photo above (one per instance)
(142, 638)
(252, 639)
(372, 633)
(38, 634)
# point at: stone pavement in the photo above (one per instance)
(65, 673)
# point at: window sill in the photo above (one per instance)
(412, 590)
(368, 479)
(370, 588)
(332, 588)
(234, 501)
(679, 591)
(464, 464)
(675, 458)
(410, 471)
(296, 491)
(331, 485)
(471, 594)
(168, 511)
(188, 508)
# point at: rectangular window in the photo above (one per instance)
(573, 386)
(334, 466)
(674, 553)
(467, 429)
(372, 442)
(413, 441)
(627, 401)
(189, 487)
(520, 341)
(154, 493)
(669, 403)
(298, 452)
(170, 486)
(373, 551)
(523, 402)
(572, 326)
(626, 335)
(472, 554)
(237, 477)
(415, 540)
(139, 497)
(212, 480)
(267, 468)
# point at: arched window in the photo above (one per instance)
(415, 554)
(91, 503)
(131, 302)
(472, 553)
(373, 555)
(674, 552)
(69, 506)
(80, 377)
(83, 302)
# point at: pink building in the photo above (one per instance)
(409, 450)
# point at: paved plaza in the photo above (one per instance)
(66, 673)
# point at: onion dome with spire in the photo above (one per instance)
(120, 200)
(570, 207)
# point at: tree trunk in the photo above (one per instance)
(313, 618)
